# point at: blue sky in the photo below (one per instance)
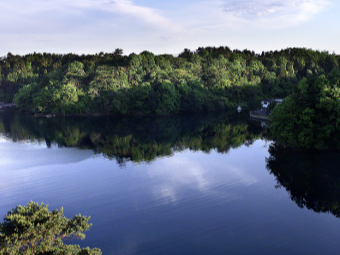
(91, 26)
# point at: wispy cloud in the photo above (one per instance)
(82, 26)
(55, 15)
(243, 15)
(260, 8)
(89, 26)
(145, 14)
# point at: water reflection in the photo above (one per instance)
(14, 156)
(199, 201)
(311, 178)
(133, 139)
(200, 172)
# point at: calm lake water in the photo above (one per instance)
(193, 184)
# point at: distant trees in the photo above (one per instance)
(33, 229)
(207, 79)
(118, 52)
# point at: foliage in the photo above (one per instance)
(203, 80)
(168, 98)
(33, 229)
(310, 117)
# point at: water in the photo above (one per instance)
(202, 184)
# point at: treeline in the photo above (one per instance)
(111, 83)
(136, 139)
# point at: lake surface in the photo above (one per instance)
(192, 184)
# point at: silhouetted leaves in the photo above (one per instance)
(312, 178)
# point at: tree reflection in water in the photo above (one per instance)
(312, 178)
(137, 139)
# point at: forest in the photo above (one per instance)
(208, 79)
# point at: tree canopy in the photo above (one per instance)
(207, 79)
(33, 229)
(310, 117)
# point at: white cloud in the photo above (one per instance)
(78, 13)
(246, 15)
(148, 15)
(259, 8)
(82, 26)
(275, 9)
(90, 26)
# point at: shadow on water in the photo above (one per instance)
(136, 139)
(311, 178)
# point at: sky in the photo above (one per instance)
(92, 26)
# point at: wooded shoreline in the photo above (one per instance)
(207, 79)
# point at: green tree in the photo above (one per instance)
(310, 117)
(118, 52)
(76, 69)
(168, 99)
(33, 229)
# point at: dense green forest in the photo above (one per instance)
(136, 139)
(111, 83)
(310, 117)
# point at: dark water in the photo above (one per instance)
(195, 184)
